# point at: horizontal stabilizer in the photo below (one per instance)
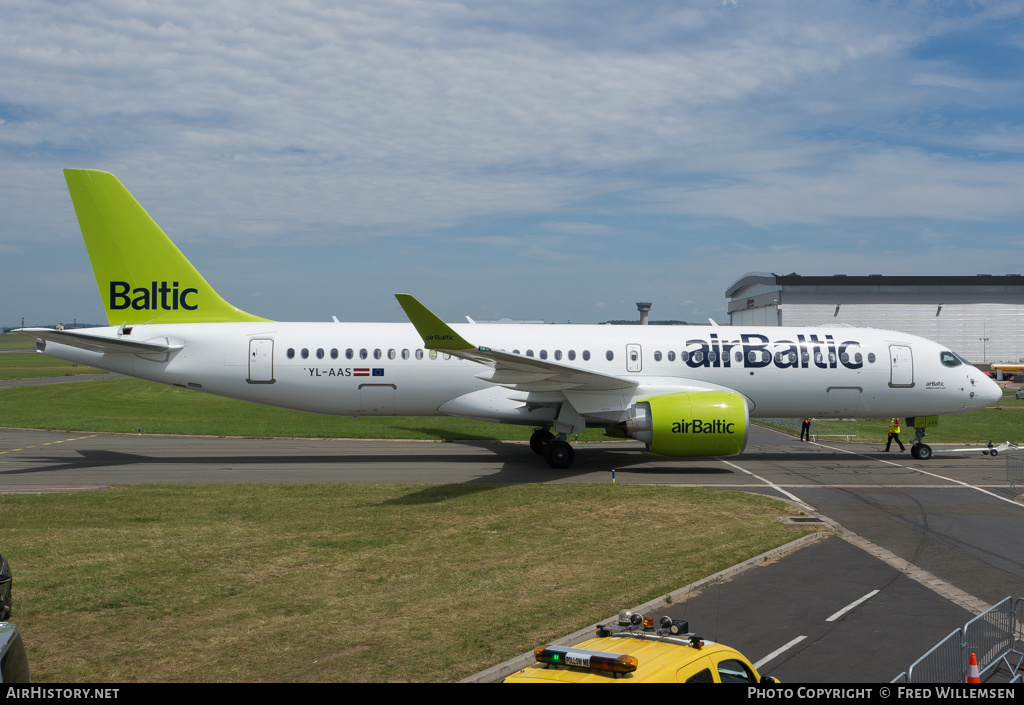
(97, 343)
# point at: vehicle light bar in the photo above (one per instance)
(585, 658)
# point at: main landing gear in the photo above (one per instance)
(539, 440)
(556, 450)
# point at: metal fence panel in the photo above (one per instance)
(784, 424)
(1014, 469)
(995, 637)
(820, 428)
(990, 635)
(834, 428)
(944, 663)
(1018, 623)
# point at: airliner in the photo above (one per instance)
(682, 391)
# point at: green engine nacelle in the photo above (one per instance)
(691, 423)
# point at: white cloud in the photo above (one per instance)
(526, 127)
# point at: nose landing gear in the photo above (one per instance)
(920, 451)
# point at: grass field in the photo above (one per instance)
(350, 583)
(13, 341)
(127, 405)
(24, 365)
(1002, 422)
(18, 365)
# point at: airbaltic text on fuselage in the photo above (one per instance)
(699, 426)
(756, 350)
(159, 296)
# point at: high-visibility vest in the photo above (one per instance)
(894, 426)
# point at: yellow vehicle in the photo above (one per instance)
(634, 651)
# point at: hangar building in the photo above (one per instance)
(981, 317)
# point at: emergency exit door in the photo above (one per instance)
(634, 358)
(261, 361)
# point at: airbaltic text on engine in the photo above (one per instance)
(699, 426)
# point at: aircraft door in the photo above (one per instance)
(902, 360)
(634, 358)
(261, 361)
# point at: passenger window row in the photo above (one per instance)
(684, 356)
(405, 354)
(569, 355)
(364, 354)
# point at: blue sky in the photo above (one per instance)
(536, 160)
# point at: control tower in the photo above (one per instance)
(644, 307)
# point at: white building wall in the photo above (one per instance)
(961, 327)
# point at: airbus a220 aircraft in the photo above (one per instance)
(681, 391)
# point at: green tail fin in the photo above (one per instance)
(142, 276)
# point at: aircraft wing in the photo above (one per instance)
(97, 343)
(518, 372)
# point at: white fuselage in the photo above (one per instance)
(377, 369)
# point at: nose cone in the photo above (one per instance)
(987, 393)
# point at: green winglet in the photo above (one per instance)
(435, 332)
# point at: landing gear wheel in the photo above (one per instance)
(540, 439)
(559, 454)
(924, 452)
(993, 452)
(913, 452)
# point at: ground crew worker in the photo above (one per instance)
(805, 430)
(894, 433)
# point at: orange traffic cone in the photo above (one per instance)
(972, 672)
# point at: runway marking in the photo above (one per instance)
(48, 490)
(796, 486)
(925, 472)
(935, 584)
(770, 484)
(852, 605)
(66, 440)
(778, 651)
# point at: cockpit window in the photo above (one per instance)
(950, 359)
